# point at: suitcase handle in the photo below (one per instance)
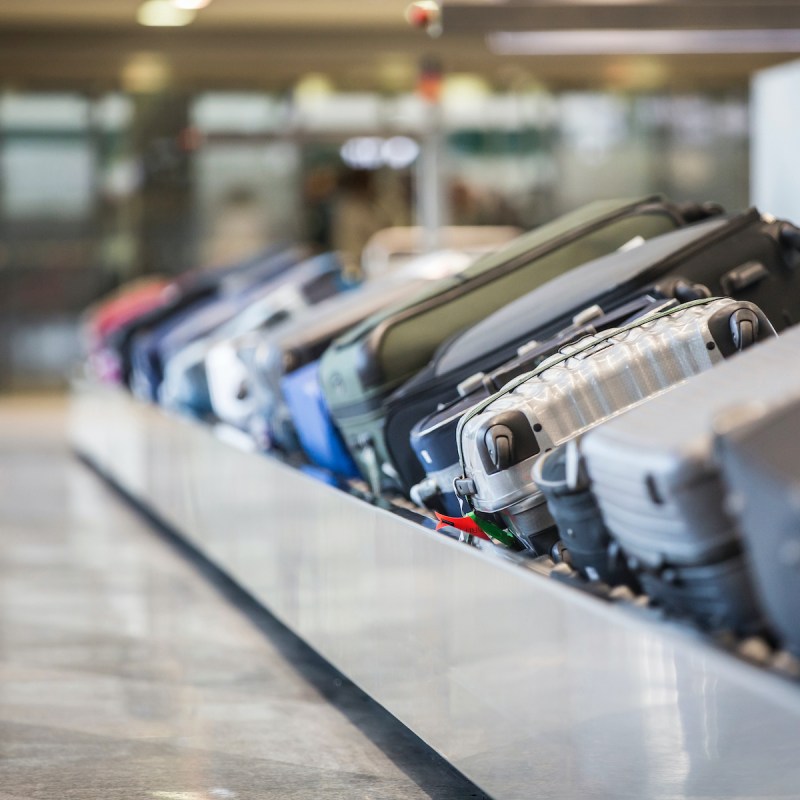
(743, 277)
(585, 323)
(790, 237)
(696, 212)
(744, 328)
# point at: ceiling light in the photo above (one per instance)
(399, 152)
(163, 14)
(643, 42)
(191, 5)
(372, 152)
(312, 86)
(363, 152)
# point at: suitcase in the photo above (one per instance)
(122, 306)
(586, 384)
(228, 366)
(249, 395)
(184, 387)
(741, 255)
(195, 289)
(310, 418)
(151, 349)
(99, 323)
(584, 538)
(361, 369)
(758, 451)
(433, 438)
(656, 480)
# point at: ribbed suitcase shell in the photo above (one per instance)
(657, 483)
(759, 454)
(594, 380)
(433, 438)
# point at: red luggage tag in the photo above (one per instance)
(481, 528)
(466, 524)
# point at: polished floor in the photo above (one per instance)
(128, 671)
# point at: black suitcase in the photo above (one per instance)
(759, 455)
(746, 256)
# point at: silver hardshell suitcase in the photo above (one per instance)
(587, 383)
(655, 477)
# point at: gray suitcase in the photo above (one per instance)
(656, 480)
(758, 450)
(587, 383)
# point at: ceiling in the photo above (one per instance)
(221, 13)
(367, 43)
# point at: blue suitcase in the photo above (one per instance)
(319, 437)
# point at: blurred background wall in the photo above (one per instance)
(129, 147)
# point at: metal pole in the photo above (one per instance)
(431, 192)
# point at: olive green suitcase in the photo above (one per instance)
(363, 367)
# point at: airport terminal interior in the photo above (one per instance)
(398, 399)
